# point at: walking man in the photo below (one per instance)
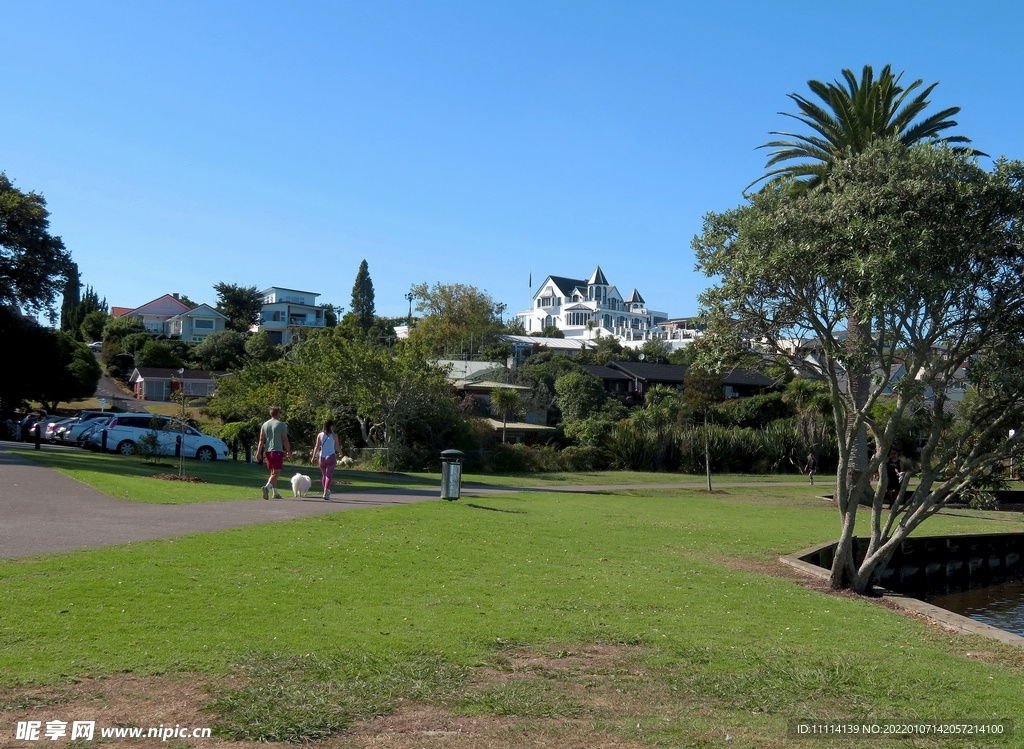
(812, 466)
(274, 444)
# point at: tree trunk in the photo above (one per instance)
(857, 332)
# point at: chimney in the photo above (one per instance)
(175, 294)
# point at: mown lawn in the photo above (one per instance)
(350, 612)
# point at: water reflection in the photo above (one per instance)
(1001, 605)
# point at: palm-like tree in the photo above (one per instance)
(505, 401)
(854, 115)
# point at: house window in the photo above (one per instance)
(548, 321)
(199, 323)
(278, 316)
(577, 318)
(606, 321)
(547, 301)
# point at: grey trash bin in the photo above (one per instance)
(451, 474)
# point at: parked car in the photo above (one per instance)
(69, 432)
(96, 345)
(96, 426)
(125, 430)
(50, 435)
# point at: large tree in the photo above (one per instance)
(241, 305)
(457, 320)
(853, 116)
(33, 263)
(923, 247)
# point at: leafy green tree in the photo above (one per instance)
(66, 370)
(851, 118)
(856, 117)
(259, 347)
(552, 331)
(363, 308)
(187, 302)
(505, 401)
(222, 350)
(579, 394)
(158, 354)
(655, 352)
(34, 265)
(118, 327)
(92, 325)
(240, 304)
(456, 319)
(922, 247)
(330, 314)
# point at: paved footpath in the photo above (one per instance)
(43, 511)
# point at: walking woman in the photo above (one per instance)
(326, 449)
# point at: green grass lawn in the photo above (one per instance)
(129, 477)
(374, 605)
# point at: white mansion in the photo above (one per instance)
(585, 310)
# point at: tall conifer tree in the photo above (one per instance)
(363, 308)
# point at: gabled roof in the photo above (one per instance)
(634, 298)
(577, 307)
(163, 305)
(597, 278)
(119, 311)
(566, 285)
(203, 310)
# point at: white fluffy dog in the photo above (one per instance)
(300, 484)
(346, 462)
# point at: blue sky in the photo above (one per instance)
(182, 144)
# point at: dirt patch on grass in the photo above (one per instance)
(564, 697)
(121, 700)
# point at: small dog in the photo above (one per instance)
(346, 462)
(300, 484)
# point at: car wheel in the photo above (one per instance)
(126, 448)
(206, 453)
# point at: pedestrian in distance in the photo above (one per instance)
(326, 449)
(275, 447)
(812, 467)
(893, 477)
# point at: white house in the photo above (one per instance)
(585, 310)
(284, 310)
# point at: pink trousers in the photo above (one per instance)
(327, 470)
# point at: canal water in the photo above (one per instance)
(1000, 604)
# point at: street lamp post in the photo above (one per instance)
(410, 296)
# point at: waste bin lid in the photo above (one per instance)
(452, 454)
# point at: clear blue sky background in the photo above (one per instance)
(180, 144)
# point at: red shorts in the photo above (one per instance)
(275, 460)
